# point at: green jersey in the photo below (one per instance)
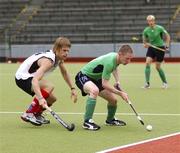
(101, 67)
(154, 35)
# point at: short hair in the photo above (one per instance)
(150, 17)
(61, 42)
(125, 49)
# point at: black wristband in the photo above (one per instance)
(72, 88)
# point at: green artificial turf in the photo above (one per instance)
(158, 107)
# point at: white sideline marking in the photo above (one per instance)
(126, 114)
(130, 74)
(137, 143)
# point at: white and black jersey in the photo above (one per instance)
(28, 68)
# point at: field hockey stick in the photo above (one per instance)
(161, 49)
(129, 102)
(138, 117)
(56, 116)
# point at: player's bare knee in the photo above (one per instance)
(94, 93)
(54, 99)
(113, 102)
(157, 67)
(51, 99)
(148, 64)
(49, 89)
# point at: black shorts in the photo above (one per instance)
(25, 85)
(81, 79)
(156, 54)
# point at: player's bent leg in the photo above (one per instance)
(92, 90)
(89, 111)
(46, 85)
(51, 99)
(34, 113)
(111, 107)
(46, 90)
(39, 116)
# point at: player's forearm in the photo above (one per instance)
(67, 78)
(36, 88)
(35, 82)
(116, 75)
(107, 86)
(66, 75)
(145, 43)
(167, 41)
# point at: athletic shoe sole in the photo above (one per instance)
(44, 122)
(86, 128)
(107, 124)
(26, 120)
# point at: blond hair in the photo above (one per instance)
(61, 42)
(150, 17)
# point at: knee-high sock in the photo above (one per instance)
(111, 111)
(90, 106)
(147, 73)
(34, 106)
(162, 75)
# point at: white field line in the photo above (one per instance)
(125, 114)
(130, 74)
(138, 143)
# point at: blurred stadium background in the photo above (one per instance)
(93, 26)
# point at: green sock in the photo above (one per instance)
(162, 75)
(147, 73)
(111, 111)
(90, 106)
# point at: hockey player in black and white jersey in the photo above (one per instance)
(29, 77)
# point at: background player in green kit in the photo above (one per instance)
(153, 34)
(93, 80)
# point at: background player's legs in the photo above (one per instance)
(148, 71)
(161, 74)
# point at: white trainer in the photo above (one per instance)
(146, 86)
(29, 117)
(165, 86)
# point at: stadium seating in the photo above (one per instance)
(9, 10)
(174, 25)
(84, 21)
